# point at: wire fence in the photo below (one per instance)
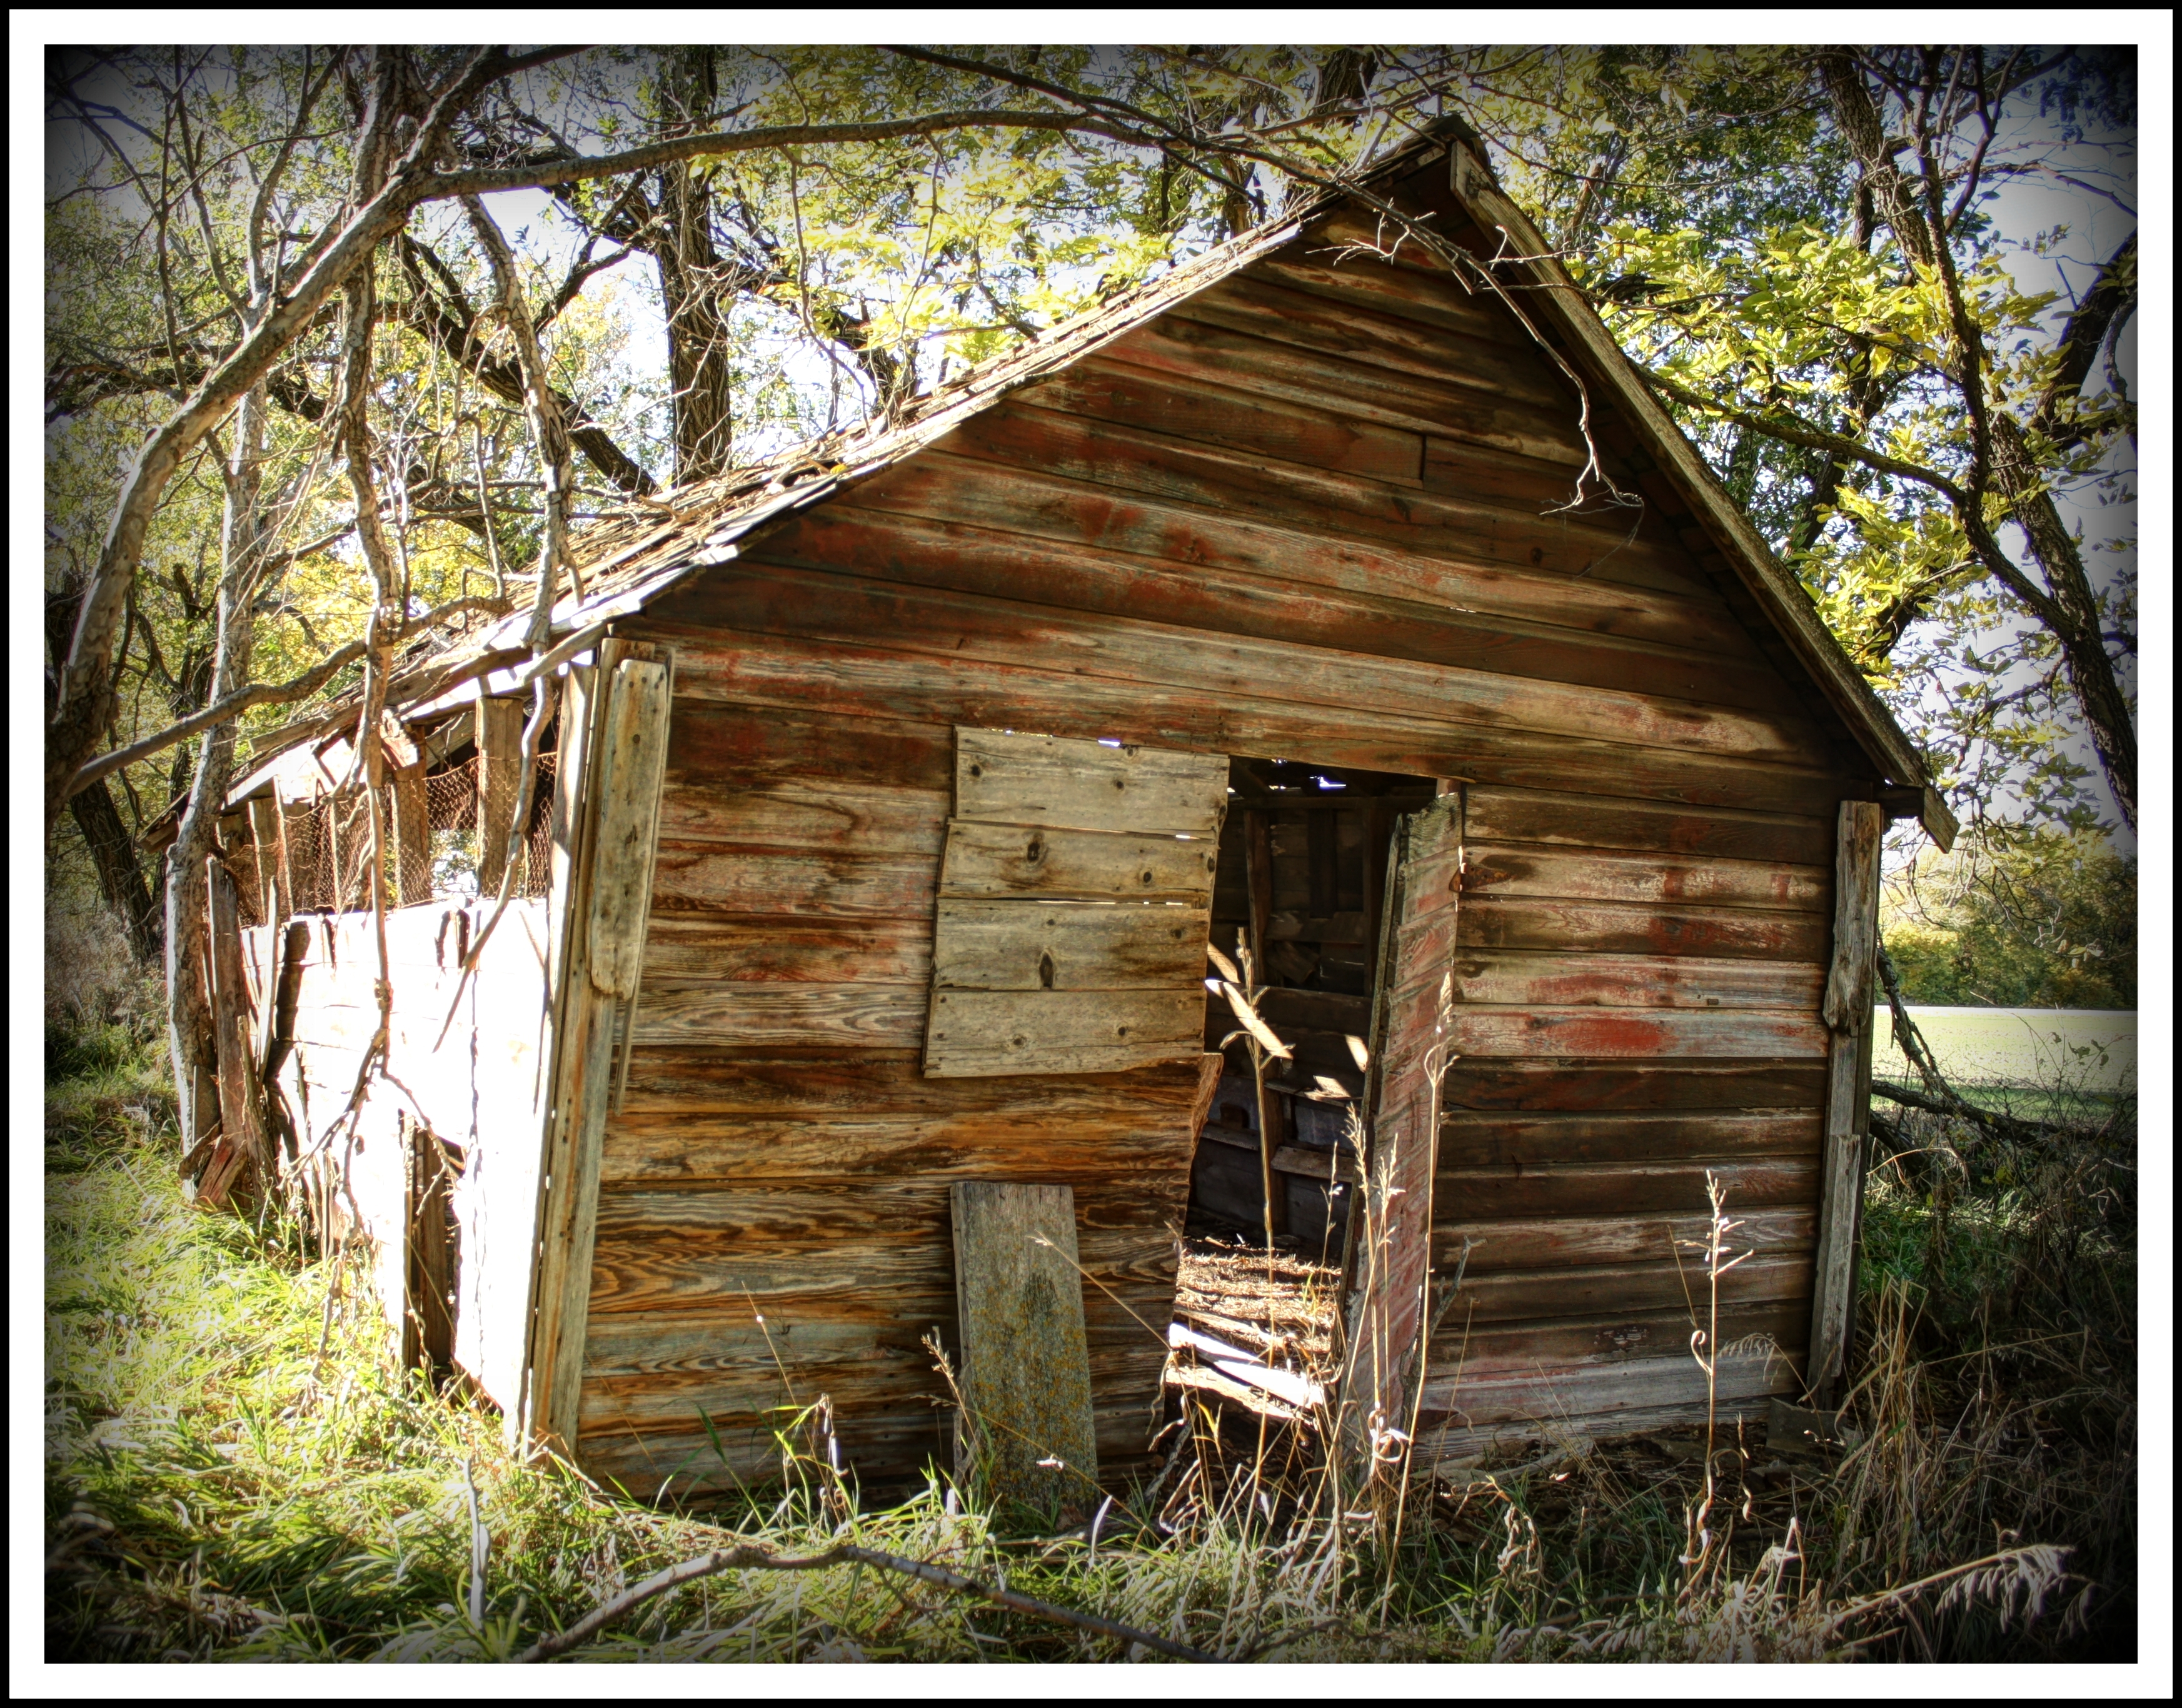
(328, 847)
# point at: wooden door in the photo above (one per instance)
(1390, 1250)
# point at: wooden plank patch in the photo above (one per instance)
(1057, 1031)
(1060, 946)
(996, 860)
(1005, 778)
(1026, 1367)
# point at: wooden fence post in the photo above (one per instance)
(1847, 1014)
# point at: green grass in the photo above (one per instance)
(2091, 1051)
(236, 1471)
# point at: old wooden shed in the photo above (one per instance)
(896, 789)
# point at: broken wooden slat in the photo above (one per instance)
(1026, 1368)
(1413, 990)
(1005, 778)
(1848, 1016)
(1243, 1367)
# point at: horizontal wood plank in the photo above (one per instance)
(820, 603)
(677, 1084)
(723, 877)
(1562, 1241)
(697, 948)
(1529, 1142)
(1500, 815)
(1084, 1150)
(1556, 927)
(1473, 548)
(818, 815)
(718, 662)
(1495, 1195)
(714, 746)
(1015, 945)
(992, 861)
(1234, 416)
(1607, 1034)
(985, 1032)
(1527, 1294)
(1593, 874)
(1006, 777)
(881, 1016)
(1200, 354)
(1651, 981)
(1583, 1086)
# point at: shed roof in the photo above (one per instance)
(626, 562)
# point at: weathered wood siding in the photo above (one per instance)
(478, 1088)
(1308, 514)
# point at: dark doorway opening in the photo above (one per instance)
(1302, 878)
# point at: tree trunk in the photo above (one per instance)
(691, 283)
(120, 879)
(112, 849)
(190, 1039)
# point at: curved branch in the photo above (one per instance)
(259, 693)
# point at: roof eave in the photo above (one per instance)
(1777, 591)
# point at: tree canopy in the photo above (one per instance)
(340, 343)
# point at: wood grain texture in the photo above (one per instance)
(1005, 860)
(1521, 1245)
(1201, 354)
(859, 679)
(745, 1013)
(814, 813)
(1653, 982)
(1004, 777)
(1559, 927)
(692, 949)
(1015, 946)
(1678, 1186)
(855, 610)
(1412, 991)
(1693, 1034)
(499, 736)
(1598, 875)
(1620, 1398)
(1053, 1031)
(675, 1084)
(1848, 1014)
(1502, 816)
(1174, 498)
(1025, 1370)
(1523, 1142)
(1232, 417)
(633, 759)
(1586, 1087)
(1141, 1147)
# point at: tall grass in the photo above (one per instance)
(236, 1470)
